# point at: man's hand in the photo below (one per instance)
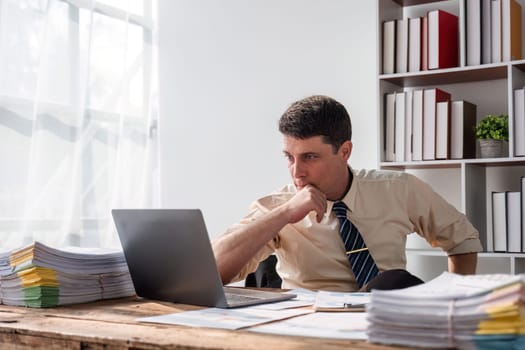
(308, 199)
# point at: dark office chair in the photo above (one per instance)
(392, 279)
(265, 276)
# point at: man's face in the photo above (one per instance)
(311, 161)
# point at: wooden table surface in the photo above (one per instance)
(110, 324)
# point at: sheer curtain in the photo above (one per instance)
(78, 118)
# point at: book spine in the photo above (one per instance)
(399, 134)
(522, 209)
(519, 122)
(499, 221)
(424, 43)
(390, 103)
(473, 30)
(414, 44)
(389, 35)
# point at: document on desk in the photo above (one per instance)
(225, 318)
(460, 311)
(341, 301)
(448, 286)
(37, 275)
(343, 325)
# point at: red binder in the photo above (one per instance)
(442, 40)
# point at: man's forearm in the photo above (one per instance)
(233, 250)
(464, 264)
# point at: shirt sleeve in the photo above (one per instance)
(262, 254)
(439, 222)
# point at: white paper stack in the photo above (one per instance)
(40, 276)
(452, 311)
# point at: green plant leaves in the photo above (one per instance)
(493, 127)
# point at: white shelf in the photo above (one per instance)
(466, 183)
(428, 252)
(454, 163)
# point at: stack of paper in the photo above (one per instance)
(41, 276)
(452, 311)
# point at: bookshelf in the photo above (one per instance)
(466, 183)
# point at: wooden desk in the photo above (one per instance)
(111, 324)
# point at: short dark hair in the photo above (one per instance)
(317, 115)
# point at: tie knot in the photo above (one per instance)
(339, 208)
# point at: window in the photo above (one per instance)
(78, 118)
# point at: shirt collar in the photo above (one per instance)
(349, 197)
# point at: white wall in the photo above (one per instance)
(229, 68)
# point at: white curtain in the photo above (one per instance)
(78, 118)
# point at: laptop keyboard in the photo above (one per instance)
(245, 294)
(232, 298)
(238, 296)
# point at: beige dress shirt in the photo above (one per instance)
(385, 206)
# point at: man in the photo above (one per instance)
(298, 224)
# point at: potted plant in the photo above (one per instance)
(493, 135)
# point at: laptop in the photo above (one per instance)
(170, 258)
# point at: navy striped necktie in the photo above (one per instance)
(361, 262)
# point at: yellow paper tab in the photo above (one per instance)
(22, 255)
(38, 276)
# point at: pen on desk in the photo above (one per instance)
(352, 306)
(356, 251)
